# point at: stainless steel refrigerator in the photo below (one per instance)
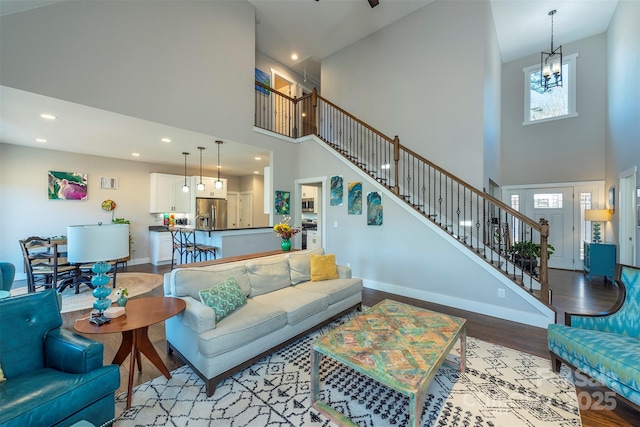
(211, 214)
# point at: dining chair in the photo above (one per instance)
(42, 263)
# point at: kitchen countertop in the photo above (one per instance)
(164, 228)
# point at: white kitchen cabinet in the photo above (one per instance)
(313, 239)
(210, 190)
(161, 247)
(166, 194)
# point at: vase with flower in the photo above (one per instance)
(122, 296)
(286, 232)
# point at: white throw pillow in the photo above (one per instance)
(268, 277)
(300, 265)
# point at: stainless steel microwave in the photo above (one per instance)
(307, 205)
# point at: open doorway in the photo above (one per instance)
(310, 210)
(627, 211)
(282, 109)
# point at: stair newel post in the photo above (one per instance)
(314, 105)
(544, 261)
(294, 131)
(396, 159)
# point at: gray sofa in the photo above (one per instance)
(283, 304)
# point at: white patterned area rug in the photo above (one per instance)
(136, 284)
(501, 387)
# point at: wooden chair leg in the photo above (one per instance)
(556, 363)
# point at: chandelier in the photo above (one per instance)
(551, 64)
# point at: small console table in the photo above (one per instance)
(599, 259)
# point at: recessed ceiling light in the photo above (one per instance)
(165, 140)
(258, 158)
(48, 116)
(294, 56)
(41, 140)
(135, 154)
(256, 172)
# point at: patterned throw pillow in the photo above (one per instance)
(224, 298)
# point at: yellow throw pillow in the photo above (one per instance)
(323, 267)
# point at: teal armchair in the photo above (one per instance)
(54, 377)
(605, 346)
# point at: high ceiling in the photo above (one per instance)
(313, 30)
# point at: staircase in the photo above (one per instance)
(492, 230)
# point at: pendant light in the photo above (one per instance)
(551, 64)
(219, 184)
(200, 185)
(185, 187)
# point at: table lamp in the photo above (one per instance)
(596, 216)
(98, 243)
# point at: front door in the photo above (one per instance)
(556, 206)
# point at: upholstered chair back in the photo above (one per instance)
(24, 322)
(626, 320)
(8, 272)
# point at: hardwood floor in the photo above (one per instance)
(571, 292)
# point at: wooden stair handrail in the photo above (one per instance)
(357, 120)
(542, 227)
(473, 189)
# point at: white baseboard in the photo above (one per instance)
(540, 319)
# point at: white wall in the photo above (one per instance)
(162, 61)
(27, 211)
(421, 78)
(492, 104)
(170, 62)
(407, 257)
(623, 100)
(561, 150)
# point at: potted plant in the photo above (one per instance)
(526, 254)
(125, 221)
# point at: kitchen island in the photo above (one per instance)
(228, 242)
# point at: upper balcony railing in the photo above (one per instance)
(507, 239)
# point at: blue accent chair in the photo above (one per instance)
(8, 271)
(605, 346)
(54, 377)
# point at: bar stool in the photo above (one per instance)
(188, 237)
(178, 247)
(204, 250)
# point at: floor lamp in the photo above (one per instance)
(98, 243)
(596, 216)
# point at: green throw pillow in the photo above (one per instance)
(224, 298)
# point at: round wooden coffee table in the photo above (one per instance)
(134, 325)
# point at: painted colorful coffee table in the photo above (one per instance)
(396, 344)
